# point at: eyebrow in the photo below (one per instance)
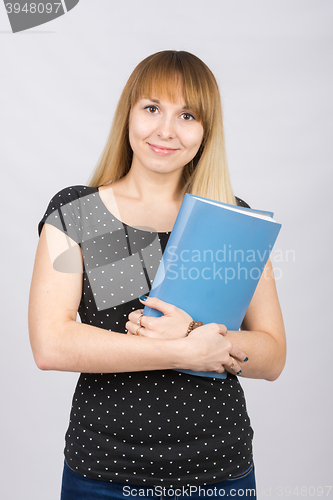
(158, 102)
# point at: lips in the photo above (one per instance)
(162, 150)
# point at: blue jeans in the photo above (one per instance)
(77, 487)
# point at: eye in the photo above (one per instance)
(152, 109)
(187, 117)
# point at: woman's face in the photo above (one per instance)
(163, 135)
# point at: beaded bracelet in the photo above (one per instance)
(192, 326)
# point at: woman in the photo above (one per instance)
(135, 422)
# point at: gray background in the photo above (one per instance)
(59, 86)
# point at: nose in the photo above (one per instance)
(166, 128)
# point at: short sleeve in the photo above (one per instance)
(63, 212)
(241, 203)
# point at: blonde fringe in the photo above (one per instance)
(209, 177)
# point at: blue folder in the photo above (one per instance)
(213, 261)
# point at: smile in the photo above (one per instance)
(161, 150)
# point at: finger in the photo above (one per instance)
(132, 328)
(221, 329)
(133, 316)
(150, 322)
(129, 328)
(236, 352)
(220, 369)
(145, 332)
(136, 317)
(140, 331)
(158, 304)
(234, 366)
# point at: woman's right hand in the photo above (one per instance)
(208, 350)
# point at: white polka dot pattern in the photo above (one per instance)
(159, 427)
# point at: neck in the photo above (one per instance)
(152, 186)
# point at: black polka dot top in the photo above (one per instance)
(160, 427)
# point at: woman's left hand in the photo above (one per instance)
(173, 325)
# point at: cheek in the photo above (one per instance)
(194, 140)
(138, 129)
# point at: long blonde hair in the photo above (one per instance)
(163, 75)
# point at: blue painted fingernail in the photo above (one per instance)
(240, 371)
(143, 298)
(246, 359)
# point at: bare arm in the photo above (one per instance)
(262, 336)
(59, 342)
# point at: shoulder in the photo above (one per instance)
(65, 197)
(69, 194)
(241, 203)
